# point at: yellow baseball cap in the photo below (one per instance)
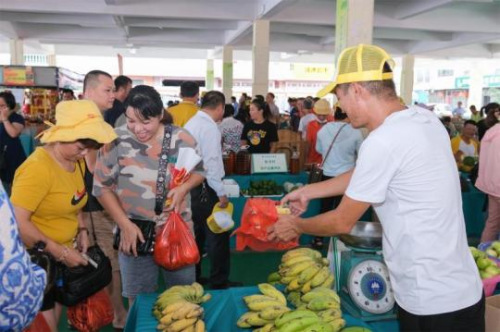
(360, 64)
(78, 119)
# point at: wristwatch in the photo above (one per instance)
(40, 246)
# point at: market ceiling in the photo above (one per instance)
(170, 28)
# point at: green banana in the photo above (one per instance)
(319, 327)
(308, 274)
(257, 297)
(285, 280)
(266, 328)
(306, 288)
(271, 313)
(254, 319)
(293, 285)
(322, 303)
(320, 277)
(330, 314)
(325, 291)
(328, 282)
(271, 291)
(294, 298)
(242, 322)
(325, 261)
(298, 324)
(291, 315)
(273, 277)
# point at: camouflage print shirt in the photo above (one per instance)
(129, 168)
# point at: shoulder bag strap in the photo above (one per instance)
(88, 193)
(331, 144)
(161, 186)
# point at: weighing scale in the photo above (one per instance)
(362, 278)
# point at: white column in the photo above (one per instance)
(17, 52)
(227, 73)
(476, 85)
(406, 85)
(209, 78)
(260, 58)
(51, 60)
(354, 23)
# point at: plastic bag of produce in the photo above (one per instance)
(258, 215)
(175, 246)
(91, 314)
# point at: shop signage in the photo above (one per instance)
(269, 163)
(489, 81)
(18, 76)
(305, 71)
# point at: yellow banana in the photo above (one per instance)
(296, 260)
(189, 329)
(257, 297)
(301, 251)
(292, 315)
(266, 328)
(173, 307)
(298, 268)
(198, 288)
(285, 280)
(322, 303)
(180, 325)
(337, 324)
(161, 327)
(293, 285)
(325, 291)
(306, 288)
(183, 311)
(271, 313)
(195, 313)
(320, 277)
(255, 320)
(167, 319)
(309, 273)
(328, 282)
(325, 261)
(205, 298)
(242, 321)
(271, 291)
(299, 324)
(199, 326)
(260, 305)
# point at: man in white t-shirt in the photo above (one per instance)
(407, 172)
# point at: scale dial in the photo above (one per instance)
(370, 288)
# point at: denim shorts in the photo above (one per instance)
(140, 275)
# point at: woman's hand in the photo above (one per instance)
(72, 257)
(82, 241)
(128, 239)
(297, 201)
(175, 197)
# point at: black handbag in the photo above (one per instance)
(148, 227)
(80, 282)
(316, 173)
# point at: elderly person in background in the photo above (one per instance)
(125, 180)
(11, 150)
(49, 193)
(230, 129)
(488, 181)
(322, 110)
(25, 280)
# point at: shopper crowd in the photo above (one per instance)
(99, 163)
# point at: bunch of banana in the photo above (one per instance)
(182, 316)
(301, 320)
(193, 293)
(304, 269)
(325, 302)
(264, 308)
(178, 309)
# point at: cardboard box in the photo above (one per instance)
(492, 315)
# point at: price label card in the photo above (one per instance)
(269, 163)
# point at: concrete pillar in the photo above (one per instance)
(406, 85)
(17, 52)
(51, 60)
(209, 78)
(227, 73)
(260, 58)
(476, 85)
(354, 23)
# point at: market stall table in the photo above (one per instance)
(222, 312)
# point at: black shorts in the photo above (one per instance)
(470, 319)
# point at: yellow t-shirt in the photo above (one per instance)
(54, 195)
(182, 112)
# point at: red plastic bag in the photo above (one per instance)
(92, 313)
(258, 215)
(39, 324)
(175, 246)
